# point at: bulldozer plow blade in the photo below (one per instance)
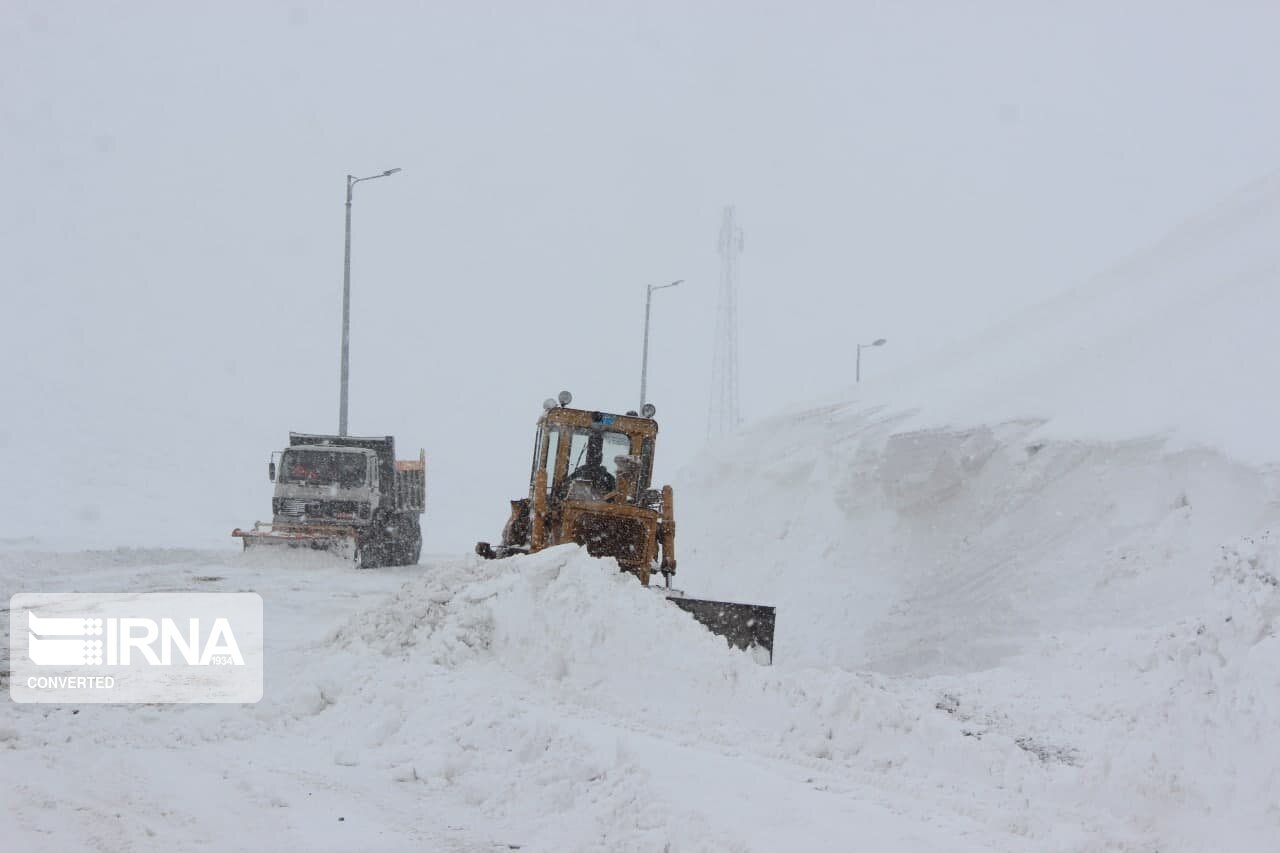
(746, 626)
(336, 541)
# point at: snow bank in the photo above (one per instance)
(588, 634)
(1110, 608)
(924, 551)
(490, 681)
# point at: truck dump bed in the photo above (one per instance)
(411, 483)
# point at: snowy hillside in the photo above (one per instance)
(1179, 339)
(1069, 534)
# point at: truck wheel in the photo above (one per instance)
(382, 545)
(408, 547)
(370, 555)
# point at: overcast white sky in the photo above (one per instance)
(171, 231)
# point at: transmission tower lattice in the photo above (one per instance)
(724, 415)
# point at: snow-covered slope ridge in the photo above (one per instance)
(1179, 339)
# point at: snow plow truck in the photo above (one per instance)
(345, 495)
(590, 484)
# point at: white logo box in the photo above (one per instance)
(155, 648)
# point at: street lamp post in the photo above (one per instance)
(352, 180)
(857, 373)
(644, 360)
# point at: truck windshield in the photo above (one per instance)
(323, 468)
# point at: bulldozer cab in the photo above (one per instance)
(593, 456)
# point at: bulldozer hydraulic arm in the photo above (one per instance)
(668, 564)
(538, 512)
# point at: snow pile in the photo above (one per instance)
(448, 685)
(1205, 755)
(1108, 607)
(928, 551)
(1169, 725)
(588, 634)
(529, 689)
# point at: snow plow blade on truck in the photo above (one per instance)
(346, 495)
(591, 485)
(340, 541)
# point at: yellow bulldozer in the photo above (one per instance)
(591, 484)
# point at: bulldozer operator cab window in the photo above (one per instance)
(549, 460)
(323, 468)
(591, 456)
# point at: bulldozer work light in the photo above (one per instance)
(565, 398)
(648, 410)
(548, 404)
